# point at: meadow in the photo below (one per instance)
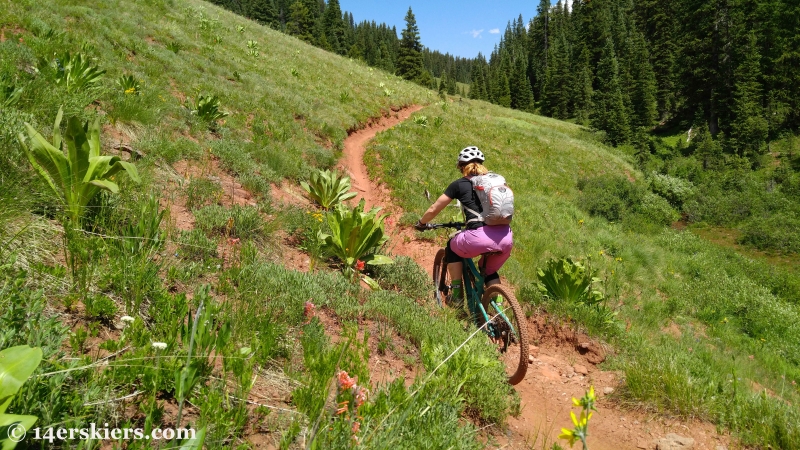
(196, 322)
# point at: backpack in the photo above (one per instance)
(496, 198)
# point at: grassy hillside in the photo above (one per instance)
(116, 325)
(733, 357)
(289, 107)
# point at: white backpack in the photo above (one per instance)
(497, 199)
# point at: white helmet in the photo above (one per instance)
(469, 154)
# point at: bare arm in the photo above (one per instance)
(435, 208)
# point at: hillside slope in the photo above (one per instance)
(268, 366)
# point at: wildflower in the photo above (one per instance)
(342, 407)
(360, 265)
(345, 381)
(127, 319)
(159, 345)
(233, 241)
(601, 253)
(356, 427)
(619, 259)
(308, 311)
(568, 435)
(580, 222)
(130, 91)
(361, 396)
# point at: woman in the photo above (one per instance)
(478, 238)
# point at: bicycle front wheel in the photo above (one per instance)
(441, 279)
(510, 329)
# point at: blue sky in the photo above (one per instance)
(461, 28)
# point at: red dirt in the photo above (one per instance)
(551, 381)
(402, 240)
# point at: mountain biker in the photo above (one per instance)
(478, 238)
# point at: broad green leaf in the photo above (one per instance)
(13, 424)
(106, 184)
(197, 442)
(16, 365)
(378, 260)
(371, 283)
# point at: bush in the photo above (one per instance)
(240, 221)
(609, 196)
(777, 232)
(196, 246)
(675, 190)
(655, 209)
(405, 276)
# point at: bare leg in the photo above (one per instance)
(455, 269)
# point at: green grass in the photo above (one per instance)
(738, 316)
(287, 116)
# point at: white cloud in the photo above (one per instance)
(476, 33)
(494, 31)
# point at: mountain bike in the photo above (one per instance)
(494, 309)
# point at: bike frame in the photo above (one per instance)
(474, 288)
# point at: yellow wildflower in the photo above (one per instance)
(130, 91)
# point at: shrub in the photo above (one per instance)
(129, 85)
(355, 235)
(656, 209)
(777, 232)
(405, 276)
(567, 280)
(202, 191)
(608, 196)
(196, 246)
(61, 171)
(675, 190)
(206, 107)
(100, 307)
(240, 221)
(76, 71)
(327, 188)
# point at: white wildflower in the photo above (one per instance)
(127, 319)
(160, 345)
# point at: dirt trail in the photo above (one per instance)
(402, 240)
(564, 364)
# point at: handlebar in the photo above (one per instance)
(455, 225)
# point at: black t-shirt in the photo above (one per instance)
(461, 189)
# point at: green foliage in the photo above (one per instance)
(244, 222)
(675, 190)
(328, 189)
(201, 192)
(774, 233)
(77, 176)
(206, 107)
(195, 246)
(405, 276)
(609, 196)
(420, 120)
(130, 85)
(355, 235)
(570, 281)
(10, 93)
(76, 71)
(16, 365)
(100, 307)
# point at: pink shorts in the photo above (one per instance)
(489, 238)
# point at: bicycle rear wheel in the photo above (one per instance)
(512, 339)
(441, 278)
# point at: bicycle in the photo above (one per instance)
(505, 325)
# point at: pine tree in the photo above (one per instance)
(409, 58)
(301, 22)
(557, 81)
(582, 90)
(452, 86)
(503, 90)
(610, 114)
(264, 11)
(334, 26)
(750, 129)
(643, 88)
(521, 93)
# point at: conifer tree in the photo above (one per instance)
(610, 114)
(409, 58)
(643, 87)
(521, 93)
(503, 90)
(334, 26)
(582, 90)
(750, 129)
(301, 22)
(452, 86)
(264, 11)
